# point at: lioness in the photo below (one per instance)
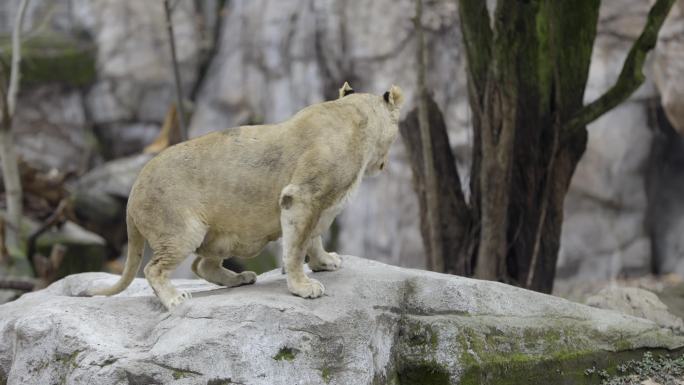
(229, 193)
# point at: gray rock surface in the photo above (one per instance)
(50, 129)
(133, 87)
(668, 68)
(376, 324)
(636, 302)
(114, 178)
(605, 230)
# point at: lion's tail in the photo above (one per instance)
(136, 245)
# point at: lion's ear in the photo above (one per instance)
(394, 97)
(346, 90)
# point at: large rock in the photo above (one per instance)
(665, 188)
(377, 324)
(51, 129)
(605, 232)
(637, 302)
(668, 68)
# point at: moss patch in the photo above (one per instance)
(421, 335)
(178, 374)
(552, 352)
(68, 359)
(562, 369)
(326, 374)
(219, 381)
(662, 369)
(428, 373)
(285, 353)
(53, 58)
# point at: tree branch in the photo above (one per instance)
(13, 89)
(17, 284)
(10, 167)
(477, 39)
(436, 251)
(176, 72)
(631, 77)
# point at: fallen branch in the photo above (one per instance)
(56, 217)
(48, 267)
(18, 284)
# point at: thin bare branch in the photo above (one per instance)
(176, 72)
(631, 76)
(435, 254)
(10, 167)
(477, 39)
(15, 73)
(17, 284)
(58, 216)
(546, 193)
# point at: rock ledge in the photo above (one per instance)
(377, 324)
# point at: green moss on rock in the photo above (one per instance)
(428, 373)
(326, 374)
(286, 353)
(540, 356)
(178, 374)
(54, 58)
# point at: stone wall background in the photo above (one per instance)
(260, 61)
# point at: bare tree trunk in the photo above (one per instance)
(176, 73)
(10, 168)
(527, 71)
(498, 133)
(435, 256)
(455, 233)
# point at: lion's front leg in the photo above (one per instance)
(321, 260)
(297, 219)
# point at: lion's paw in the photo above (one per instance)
(176, 300)
(329, 262)
(310, 288)
(248, 277)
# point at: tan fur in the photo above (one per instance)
(229, 193)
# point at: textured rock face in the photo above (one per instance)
(636, 302)
(133, 86)
(376, 324)
(668, 69)
(606, 232)
(135, 80)
(51, 129)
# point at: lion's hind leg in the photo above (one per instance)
(298, 218)
(212, 270)
(321, 260)
(157, 272)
